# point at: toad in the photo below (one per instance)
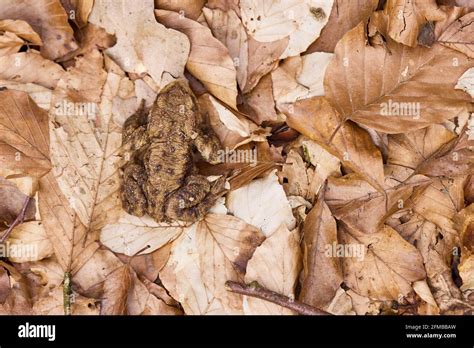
(160, 178)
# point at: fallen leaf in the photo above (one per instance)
(389, 102)
(29, 242)
(322, 273)
(21, 29)
(116, 288)
(379, 272)
(190, 8)
(352, 145)
(40, 95)
(85, 148)
(406, 17)
(137, 32)
(48, 18)
(9, 43)
(459, 35)
(30, 67)
(78, 10)
(263, 204)
(301, 21)
(275, 265)
(131, 234)
(209, 59)
(12, 201)
(24, 134)
(345, 15)
(54, 304)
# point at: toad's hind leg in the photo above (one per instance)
(133, 199)
(193, 200)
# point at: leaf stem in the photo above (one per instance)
(19, 219)
(256, 290)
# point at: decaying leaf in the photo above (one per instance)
(209, 59)
(48, 18)
(137, 31)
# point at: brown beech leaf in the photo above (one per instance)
(78, 10)
(360, 206)
(24, 134)
(275, 265)
(259, 103)
(49, 19)
(465, 224)
(90, 38)
(12, 201)
(138, 33)
(53, 304)
(252, 59)
(225, 244)
(63, 228)
(116, 288)
(86, 140)
(380, 265)
(4, 285)
(406, 17)
(404, 91)
(322, 274)
(204, 257)
(345, 15)
(189, 8)
(209, 59)
(29, 67)
(459, 35)
(315, 118)
(433, 151)
(9, 44)
(21, 29)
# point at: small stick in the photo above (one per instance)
(256, 290)
(19, 219)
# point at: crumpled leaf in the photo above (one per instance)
(12, 201)
(275, 265)
(190, 8)
(345, 15)
(352, 145)
(380, 273)
(300, 77)
(21, 29)
(49, 19)
(9, 44)
(263, 204)
(137, 33)
(29, 67)
(406, 18)
(209, 59)
(301, 21)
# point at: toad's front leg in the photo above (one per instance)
(193, 200)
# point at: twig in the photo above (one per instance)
(19, 219)
(256, 290)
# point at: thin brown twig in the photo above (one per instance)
(256, 290)
(19, 219)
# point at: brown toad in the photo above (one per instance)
(160, 178)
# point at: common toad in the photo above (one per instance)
(160, 179)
